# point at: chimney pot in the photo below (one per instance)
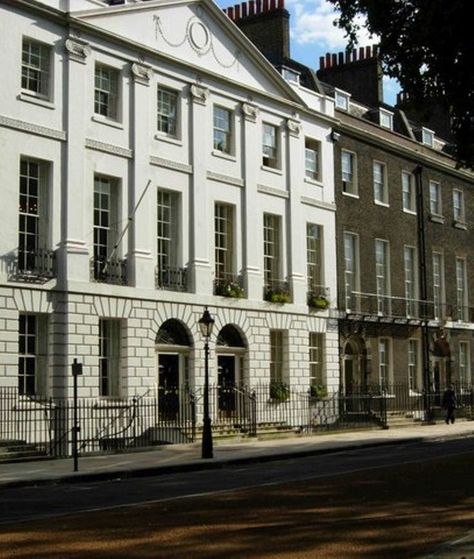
(237, 11)
(281, 4)
(272, 5)
(341, 58)
(348, 56)
(321, 62)
(265, 6)
(354, 55)
(328, 60)
(368, 52)
(258, 6)
(251, 7)
(361, 53)
(334, 60)
(244, 9)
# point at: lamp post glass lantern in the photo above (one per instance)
(206, 323)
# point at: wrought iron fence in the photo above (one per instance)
(171, 415)
(111, 270)
(38, 265)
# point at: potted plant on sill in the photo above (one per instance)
(230, 289)
(279, 392)
(278, 295)
(319, 302)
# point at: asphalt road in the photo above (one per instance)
(394, 501)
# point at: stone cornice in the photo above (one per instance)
(413, 152)
(272, 191)
(32, 128)
(318, 203)
(109, 148)
(169, 164)
(234, 181)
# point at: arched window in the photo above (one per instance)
(229, 336)
(172, 332)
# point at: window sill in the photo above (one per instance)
(314, 182)
(107, 121)
(411, 212)
(162, 137)
(383, 204)
(223, 155)
(460, 225)
(435, 218)
(36, 100)
(350, 195)
(273, 170)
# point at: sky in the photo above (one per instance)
(313, 34)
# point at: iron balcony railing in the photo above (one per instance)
(371, 304)
(172, 279)
(277, 291)
(229, 285)
(35, 265)
(112, 270)
(455, 313)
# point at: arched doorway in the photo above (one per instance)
(173, 344)
(353, 365)
(230, 349)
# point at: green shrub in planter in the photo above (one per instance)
(279, 392)
(319, 302)
(318, 391)
(280, 297)
(230, 289)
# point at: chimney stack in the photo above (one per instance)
(359, 72)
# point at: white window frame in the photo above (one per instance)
(408, 192)
(349, 173)
(411, 281)
(167, 229)
(341, 99)
(458, 206)
(224, 240)
(461, 289)
(436, 202)
(438, 284)
(414, 365)
(386, 119)
(272, 238)
(290, 75)
(270, 145)
(464, 365)
(108, 97)
(167, 111)
(316, 359)
(380, 183)
(314, 256)
(105, 187)
(109, 357)
(277, 356)
(41, 68)
(382, 276)
(223, 134)
(312, 166)
(385, 366)
(427, 137)
(351, 276)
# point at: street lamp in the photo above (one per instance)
(206, 322)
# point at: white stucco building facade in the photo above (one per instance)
(154, 163)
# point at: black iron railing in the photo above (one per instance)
(112, 270)
(173, 279)
(370, 304)
(35, 266)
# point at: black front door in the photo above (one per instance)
(168, 386)
(226, 382)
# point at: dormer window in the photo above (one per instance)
(427, 137)
(342, 99)
(290, 75)
(386, 119)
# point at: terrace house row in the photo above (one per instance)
(154, 163)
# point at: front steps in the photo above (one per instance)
(19, 451)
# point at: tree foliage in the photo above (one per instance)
(428, 46)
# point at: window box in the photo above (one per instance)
(319, 302)
(279, 392)
(229, 288)
(278, 294)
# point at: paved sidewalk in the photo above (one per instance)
(174, 458)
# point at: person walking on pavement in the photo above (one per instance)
(449, 404)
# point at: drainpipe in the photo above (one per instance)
(420, 213)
